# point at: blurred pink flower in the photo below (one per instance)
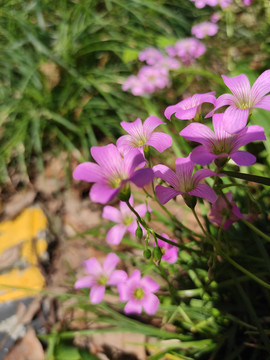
(242, 100)
(203, 29)
(183, 182)
(201, 3)
(138, 292)
(153, 78)
(151, 56)
(100, 276)
(134, 84)
(169, 252)
(141, 135)
(112, 172)
(247, 2)
(224, 3)
(187, 50)
(188, 108)
(215, 17)
(222, 213)
(125, 219)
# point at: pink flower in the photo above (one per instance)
(220, 144)
(242, 100)
(153, 78)
(221, 211)
(215, 17)
(112, 172)
(224, 3)
(247, 2)
(138, 293)
(134, 84)
(201, 3)
(168, 63)
(150, 55)
(170, 252)
(99, 276)
(204, 29)
(190, 107)
(141, 135)
(125, 219)
(187, 50)
(183, 182)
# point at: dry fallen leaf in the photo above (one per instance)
(29, 348)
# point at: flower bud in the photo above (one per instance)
(157, 255)
(138, 232)
(147, 253)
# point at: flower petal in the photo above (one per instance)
(97, 294)
(184, 168)
(89, 172)
(166, 174)
(247, 135)
(218, 125)
(261, 87)
(264, 103)
(135, 128)
(150, 304)
(132, 160)
(92, 266)
(225, 99)
(202, 156)
(84, 282)
(142, 209)
(149, 284)
(150, 124)
(142, 177)
(102, 194)
(125, 143)
(201, 174)
(108, 157)
(186, 114)
(123, 291)
(204, 191)
(115, 234)
(133, 307)
(239, 86)
(111, 213)
(164, 194)
(235, 119)
(199, 133)
(117, 277)
(110, 263)
(159, 141)
(243, 158)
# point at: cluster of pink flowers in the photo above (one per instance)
(126, 162)
(222, 3)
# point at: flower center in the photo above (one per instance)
(128, 220)
(115, 182)
(138, 294)
(102, 280)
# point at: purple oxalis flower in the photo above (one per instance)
(141, 135)
(224, 3)
(215, 17)
(201, 3)
(242, 100)
(222, 213)
(183, 182)
(125, 219)
(190, 107)
(134, 84)
(150, 55)
(153, 78)
(138, 293)
(220, 144)
(187, 50)
(204, 29)
(169, 252)
(112, 172)
(100, 276)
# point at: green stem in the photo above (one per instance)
(254, 178)
(147, 228)
(256, 230)
(199, 222)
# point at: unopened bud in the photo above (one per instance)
(139, 232)
(147, 253)
(148, 215)
(157, 255)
